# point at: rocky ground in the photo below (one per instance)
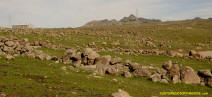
(101, 62)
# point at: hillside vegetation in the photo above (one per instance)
(31, 77)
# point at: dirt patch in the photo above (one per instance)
(3, 65)
(37, 78)
(206, 53)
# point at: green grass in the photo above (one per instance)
(26, 78)
(52, 52)
(130, 35)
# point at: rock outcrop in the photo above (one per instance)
(126, 20)
(10, 47)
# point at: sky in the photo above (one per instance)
(75, 13)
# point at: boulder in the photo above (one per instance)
(106, 69)
(167, 65)
(189, 76)
(204, 73)
(174, 70)
(164, 77)
(164, 81)
(192, 53)
(48, 57)
(90, 54)
(116, 60)
(54, 58)
(77, 63)
(104, 60)
(76, 56)
(8, 49)
(149, 43)
(161, 71)
(155, 77)
(141, 72)
(111, 70)
(209, 82)
(9, 43)
(40, 57)
(67, 55)
(176, 79)
(120, 93)
(101, 69)
(121, 68)
(133, 66)
(9, 57)
(127, 74)
(90, 62)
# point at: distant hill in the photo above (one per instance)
(126, 20)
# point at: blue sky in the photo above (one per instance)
(74, 13)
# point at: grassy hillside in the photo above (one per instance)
(24, 77)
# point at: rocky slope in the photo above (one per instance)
(126, 20)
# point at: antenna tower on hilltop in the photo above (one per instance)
(136, 13)
(9, 21)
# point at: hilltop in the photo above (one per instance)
(124, 21)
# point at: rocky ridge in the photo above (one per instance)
(124, 21)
